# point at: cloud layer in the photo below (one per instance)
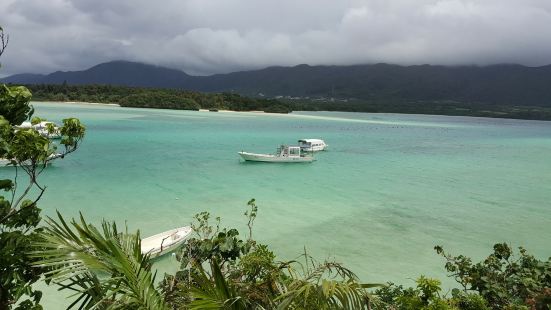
(216, 36)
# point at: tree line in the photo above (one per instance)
(191, 100)
(140, 97)
(436, 107)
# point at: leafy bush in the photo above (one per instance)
(503, 280)
(246, 275)
(426, 296)
(30, 152)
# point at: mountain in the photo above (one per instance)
(496, 84)
(115, 73)
(24, 78)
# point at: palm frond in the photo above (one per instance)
(216, 293)
(324, 286)
(105, 267)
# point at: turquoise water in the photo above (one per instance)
(390, 188)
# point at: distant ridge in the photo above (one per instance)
(496, 84)
(118, 72)
(24, 78)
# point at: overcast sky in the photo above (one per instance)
(217, 36)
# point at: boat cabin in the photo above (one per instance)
(311, 145)
(289, 151)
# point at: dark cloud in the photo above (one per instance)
(212, 36)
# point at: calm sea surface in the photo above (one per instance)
(390, 188)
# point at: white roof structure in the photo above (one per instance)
(311, 140)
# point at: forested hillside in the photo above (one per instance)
(507, 91)
(490, 85)
(155, 98)
(192, 100)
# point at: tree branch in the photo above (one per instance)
(14, 188)
(4, 39)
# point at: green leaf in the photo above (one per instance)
(6, 184)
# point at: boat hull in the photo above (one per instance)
(275, 159)
(165, 242)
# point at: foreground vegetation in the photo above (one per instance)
(221, 270)
(155, 98)
(20, 218)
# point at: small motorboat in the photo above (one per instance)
(4, 162)
(46, 129)
(165, 242)
(312, 145)
(284, 154)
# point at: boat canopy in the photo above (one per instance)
(311, 141)
(42, 124)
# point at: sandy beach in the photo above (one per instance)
(117, 105)
(91, 103)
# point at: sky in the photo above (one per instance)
(205, 37)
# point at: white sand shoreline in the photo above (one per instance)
(78, 102)
(230, 111)
(98, 104)
(117, 105)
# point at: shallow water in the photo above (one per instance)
(390, 188)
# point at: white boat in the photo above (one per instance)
(312, 145)
(284, 154)
(4, 162)
(25, 125)
(42, 129)
(165, 242)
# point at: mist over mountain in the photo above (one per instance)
(496, 84)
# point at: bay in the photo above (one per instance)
(388, 190)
